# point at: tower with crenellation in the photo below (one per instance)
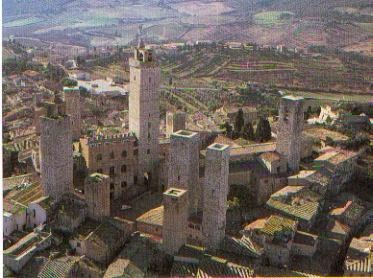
(144, 112)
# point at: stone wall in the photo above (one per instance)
(291, 120)
(72, 99)
(215, 192)
(97, 196)
(175, 121)
(116, 157)
(56, 156)
(175, 219)
(183, 169)
(144, 118)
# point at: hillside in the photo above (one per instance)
(336, 23)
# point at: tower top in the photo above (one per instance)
(140, 44)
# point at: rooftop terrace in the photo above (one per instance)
(184, 134)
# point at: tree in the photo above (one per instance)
(248, 132)
(239, 122)
(228, 129)
(69, 82)
(263, 130)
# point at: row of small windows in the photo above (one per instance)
(123, 184)
(123, 169)
(112, 155)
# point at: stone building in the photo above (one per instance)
(144, 115)
(97, 196)
(291, 118)
(72, 100)
(183, 169)
(175, 122)
(38, 112)
(215, 194)
(175, 220)
(56, 155)
(115, 156)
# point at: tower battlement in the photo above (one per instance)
(107, 139)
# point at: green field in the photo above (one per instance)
(23, 22)
(272, 18)
(333, 96)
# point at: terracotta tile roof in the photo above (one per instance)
(270, 156)
(297, 201)
(257, 224)
(153, 216)
(278, 225)
(59, 268)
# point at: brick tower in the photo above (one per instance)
(97, 195)
(72, 100)
(183, 171)
(56, 155)
(144, 112)
(175, 219)
(175, 121)
(291, 118)
(215, 194)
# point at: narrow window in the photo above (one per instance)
(123, 168)
(112, 171)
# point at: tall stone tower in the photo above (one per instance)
(56, 155)
(291, 119)
(175, 121)
(144, 112)
(97, 195)
(72, 100)
(215, 194)
(175, 219)
(183, 171)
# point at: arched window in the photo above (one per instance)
(124, 184)
(123, 168)
(99, 157)
(124, 154)
(112, 156)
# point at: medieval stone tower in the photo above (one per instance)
(175, 121)
(291, 118)
(72, 100)
(215, 194)
(144, 112)
(183, 171)
(56, 155)
(97, 195)
(175, 219)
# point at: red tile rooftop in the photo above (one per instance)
(270, 156)
(257, 224)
